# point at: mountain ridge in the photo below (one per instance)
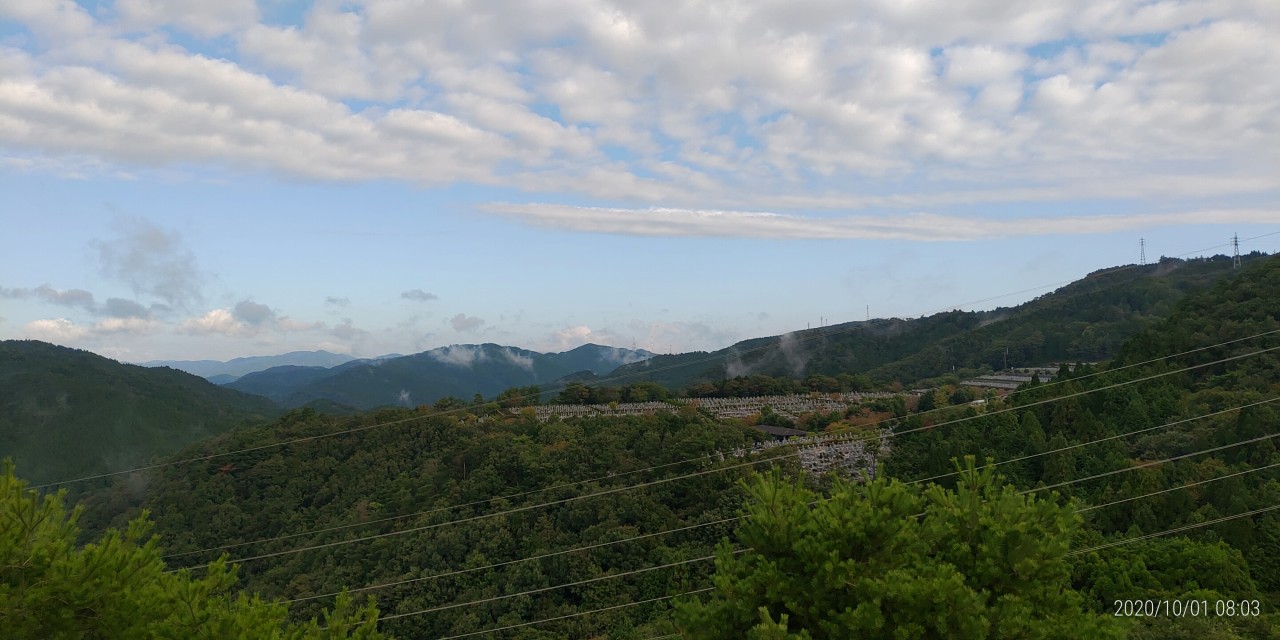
(460, 370)
(237, 367)
(69, 412)
(1085, 320)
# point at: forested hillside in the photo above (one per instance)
(224, 372)
(1118, 434)
(66, 413)
(1085, 321)
(117, 586)
(460, 371)
(1154, 477)
(429, 464)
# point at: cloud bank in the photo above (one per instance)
(666, 222)
(722, 105)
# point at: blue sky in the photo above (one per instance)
(244, 178)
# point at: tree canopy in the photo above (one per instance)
(117, 586)
(884, 559)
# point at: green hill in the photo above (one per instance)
(460, 371)
(1086, 320)
(278, 383)
(220, 372)
(356, 484)
(67, 413)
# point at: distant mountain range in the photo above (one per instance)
(67, 413)
(459, 370)
(220, 372)
(1085, 320)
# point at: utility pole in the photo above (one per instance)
(1142, 251)
(868, 313)
(1235, 245)
(1006, 358)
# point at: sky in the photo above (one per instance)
(191, 180)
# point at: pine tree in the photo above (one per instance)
(116, 587)
(981, 562)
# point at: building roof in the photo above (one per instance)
(782, 432)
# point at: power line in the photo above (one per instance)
(1174, 530)
(1178, 488)
(736, 518)
(1146, 465)
(558, 586)
(681, 462)
(506, 512)
(1154, 463)
(519, 560)
(632, 604)
(1070, 553)
(447, 508)
(613, 490)
(1111, 437)
(744, 550)
(813, 336)
(575, 615)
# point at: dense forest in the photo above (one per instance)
(1151, 477)
(1086, 320)
(67, 413)
(424, 378)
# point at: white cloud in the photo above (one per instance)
(122, 308)
(65, 331)
(246, 319)
(464, 323)
(348, 332)
(459, 355)
(576, 336)
(56, 330)
(205, 19)
(418, 295)
(982, 65)
(681, 336)
(290, 325)
(657, 337)
(707, 105)
(133, 326)
(253, 314)
(56, 20)
(151, 260)
(522, 361)
(66, 298)
(216, 322)
(917, 226)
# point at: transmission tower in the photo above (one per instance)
(1235, 246)
(1142, 250)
